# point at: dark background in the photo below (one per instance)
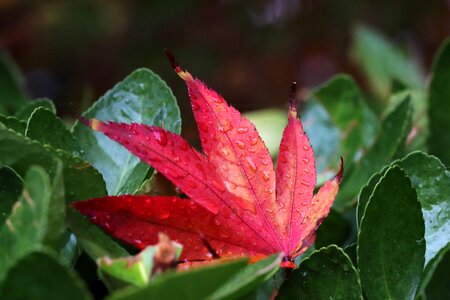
(249, 51)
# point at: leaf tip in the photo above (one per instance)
(340, 174)
(93, 123)
(293, 100)
(183, 74)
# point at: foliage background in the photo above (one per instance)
(73, 51)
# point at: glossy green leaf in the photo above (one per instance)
(437, 287)
(391, 244)
(432, 183)
(365, 194)
(248, 278)
(417, 138)
(324, 138)
(327, 274)
(198, 283)
(349, 113)
(383, 62)
(439, 105)
(270, 124)
(335, 229)
(82, 181)
(40, 276)
(93, 240)
(14, 123)
(393, 133)
(48, 129)
(143, 97)
(36, 219)
(25, 112)
(12, 85)
(10, 190)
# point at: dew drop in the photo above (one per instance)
(230, 185)
(195, 106)
(305, 147)
(304, 183)
(226, 126)
(164, 215)
(217, 222)
(240, 144)
(225, 152)
(266, 176)
(253, 141)
(265, 161)
(268, 190)
(160, 137)
(306, 160)
(225, 235)
(306, 171)
(138, 243)
(242, 130)
(305, 202)
(251, 164)
(217, 99)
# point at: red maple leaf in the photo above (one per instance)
(238, 204)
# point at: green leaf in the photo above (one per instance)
(391, 244)
(383, 62)
(82, 181)
(248, 278)
(10, 190)
(37, 219)
(439, 105)
(93, 240)
(365, 194)
(430, 269)
(39, 275)
(417, 139)
(48, 129)
(156, 185)
(437, 287)
(327, 274)
(195, 284)
(349, 113)
(335, 229)
(14, 124)
(134, 270)
(324, 138)
(270, 124)
(12, 85)
(142, 97)
(393, 133)
(431, 181)
(25, 113)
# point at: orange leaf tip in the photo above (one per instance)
(293, 100)
(93, 123)
(183, 74)
(340, 174)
